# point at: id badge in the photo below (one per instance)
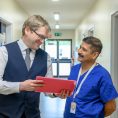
(73, 107)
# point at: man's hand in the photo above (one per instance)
(64, 94)
(30, 85)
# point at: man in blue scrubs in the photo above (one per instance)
(94, 94)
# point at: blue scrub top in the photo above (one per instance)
(96, 90)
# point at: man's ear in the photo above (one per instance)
(95, 55)
(27, 29)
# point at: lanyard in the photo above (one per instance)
(85, 77)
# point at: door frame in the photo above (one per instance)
(9, 28)
(114, 54)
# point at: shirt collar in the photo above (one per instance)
(23, 46)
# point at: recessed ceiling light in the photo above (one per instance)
(57, 26)
(56, 16)
(55, 0)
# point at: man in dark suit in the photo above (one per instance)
(20, 63)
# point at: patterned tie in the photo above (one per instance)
(27, 58)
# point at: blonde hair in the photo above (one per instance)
(34, 22)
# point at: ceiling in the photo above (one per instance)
(71, 11)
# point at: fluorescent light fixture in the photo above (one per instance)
(55, 0)
(57, 26)
(56, 16)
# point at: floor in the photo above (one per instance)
(51, 107)
(54, 107)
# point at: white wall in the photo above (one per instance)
(14, 14)
(66, 34)
(100, 18)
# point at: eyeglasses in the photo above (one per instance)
(42, 37)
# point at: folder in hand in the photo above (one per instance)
(55, 85)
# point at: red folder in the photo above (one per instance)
(55, 85)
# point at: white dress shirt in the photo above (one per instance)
(7, 87)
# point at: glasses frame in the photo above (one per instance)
(42, 37)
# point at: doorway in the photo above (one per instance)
(60, 51)
(114, 54)
(5, 31)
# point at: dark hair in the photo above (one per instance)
(94, 42)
